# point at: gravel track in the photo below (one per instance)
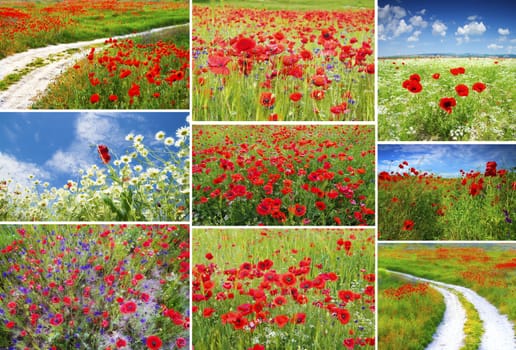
(498, 329)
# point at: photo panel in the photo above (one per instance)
(283, 60)
(94, 166)
(448, 191)
(453, 294)
(78, 55)
(445, 71)
(94, 286)
(272, 175)
(283, 288)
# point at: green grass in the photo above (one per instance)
(443, 208)
(409, 320)
(471, 266)
(407, 116)
(331, 84)
(230, 248)
(291, 4)
(73, 89)
(473, 327)
(89, 21)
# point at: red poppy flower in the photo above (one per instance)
(447, 103)
(94, 98)
(479, 87)
(281, 320)
(320, 205)
(490, 169)
(343, 316)
(120, 343)
(370, 68)
(134, 90)
(295, 96)
(457, 71)
(153, 342)
(288, 279)
(267, 99)
(462, 90)
(299, 318)
(414, 86)
(298, 210)
(56, 320)
(317, 95)
(113, 98)
(244, 44)
(217, 64)
(128, 307)
(104, 153)
(415, 77)
(436, 76)
(475, 188)
(408, 225)
(180, 342)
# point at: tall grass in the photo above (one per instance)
(221, 287)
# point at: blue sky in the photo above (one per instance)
(54, 146)
(408, 27)
(446, 159)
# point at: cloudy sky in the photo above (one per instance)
(54, 146)
(446, 159)
(435, 26)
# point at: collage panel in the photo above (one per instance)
(80, 55)
(272, 175)
(461, 192)
(455, 295)
(283, 60)
(94, 166)
(283, 288)
(445, 70)
(94, 286)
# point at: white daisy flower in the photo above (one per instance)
(160, 135)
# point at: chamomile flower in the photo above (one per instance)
(138, 138)
(160, 135)
(182, 132)
(169, 141)
(129, 137)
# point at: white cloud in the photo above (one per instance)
(391, 22)
(472, 28)
(504, 31)
(403, 27)
(12, 168)
(472, 18)
(422, 12)
(93, 128)
(418, 21)
(414, 36)
(494, 46)
(439, 28)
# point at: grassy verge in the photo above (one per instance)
(408, 313)
(473, 328)
(146, 72)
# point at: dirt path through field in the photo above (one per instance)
(498, 329)
(21, 94)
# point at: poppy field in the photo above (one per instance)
(148, 72)
(488, 269)
(94, 287)
(283, 175)
(146, 181)
(283, 289)
(448, 99)
(475, 205)
(283, 61)
(31, 24)
(408, 313)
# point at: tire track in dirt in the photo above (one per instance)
(498, 329)
(21, 94)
